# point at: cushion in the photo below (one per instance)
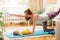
(40, 11)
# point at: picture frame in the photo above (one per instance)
(51, 1)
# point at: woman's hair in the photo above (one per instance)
(28, 11)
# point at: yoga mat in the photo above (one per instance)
(36, 33)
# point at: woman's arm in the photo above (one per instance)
(34, 22)
(17, 15)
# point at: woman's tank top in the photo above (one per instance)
(43, 17)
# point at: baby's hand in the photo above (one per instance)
(31, 34)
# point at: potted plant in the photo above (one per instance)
(1, 26)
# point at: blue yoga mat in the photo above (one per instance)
(36, 33)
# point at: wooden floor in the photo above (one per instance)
(42, 38)
(37, 38)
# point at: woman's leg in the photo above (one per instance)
(50, 15)
(53, 14)
(44, 24)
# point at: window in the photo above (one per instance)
(15, 6)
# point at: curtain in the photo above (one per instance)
(35, 4)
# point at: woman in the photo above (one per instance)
(43, 18)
